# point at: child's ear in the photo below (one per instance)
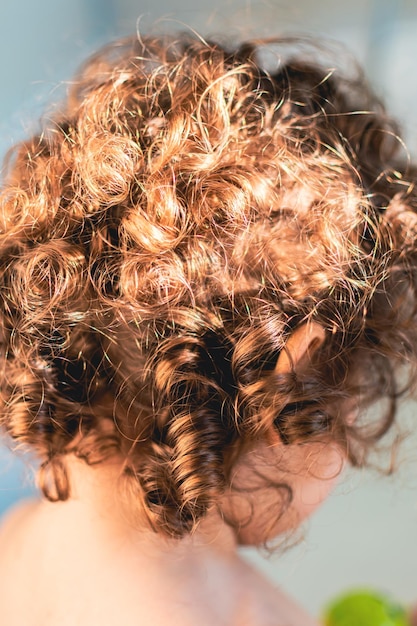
(300, 347)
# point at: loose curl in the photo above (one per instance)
(163, 236)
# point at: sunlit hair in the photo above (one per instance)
(161, 238)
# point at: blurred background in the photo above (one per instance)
(366, 532)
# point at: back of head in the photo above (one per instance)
(163, 236)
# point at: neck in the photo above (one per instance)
(96, 507)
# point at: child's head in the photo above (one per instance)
(199, 258)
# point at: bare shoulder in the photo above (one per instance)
(269, 601)
(14, 537)
(14, 517)
(16, 571)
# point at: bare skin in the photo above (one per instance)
(80, 562)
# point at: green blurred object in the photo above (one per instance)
(365, 608)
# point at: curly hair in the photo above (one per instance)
(163, 235)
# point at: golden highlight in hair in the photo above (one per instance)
(163, 236)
